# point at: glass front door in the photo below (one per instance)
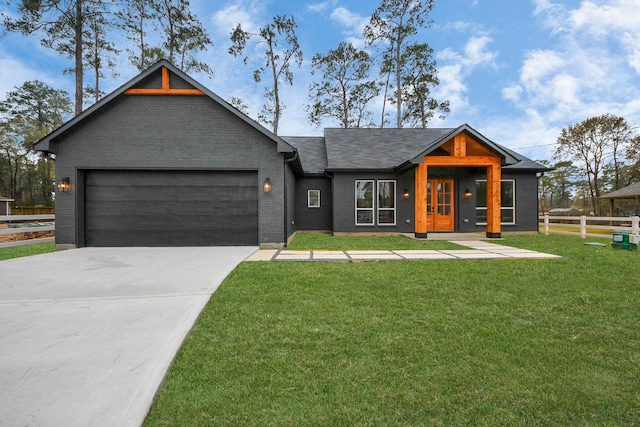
(440, 206)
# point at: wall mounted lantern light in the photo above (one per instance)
(405, 194)
(63, 185)
(266, 185)
(467, 194)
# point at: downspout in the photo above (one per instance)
(286, 206)
(538, 176)
(333, 202)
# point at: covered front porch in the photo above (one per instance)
(436, 196)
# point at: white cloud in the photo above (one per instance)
(616, 20)
(226, 19)
(477, 54)
(591, 68)
(531, 135)
(539, 64)
(321, 7)
(353, 24)
(512, 93)
(14, 73)
(455, 68)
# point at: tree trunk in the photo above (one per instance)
(78, 49)
(345, 107)
(384, 99)
(398, 87)
(276, 99)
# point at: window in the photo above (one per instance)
(386, 202)
(313, 198)
(371, 209)
(364, 202)
(508, 201)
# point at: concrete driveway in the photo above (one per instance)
(87, 335)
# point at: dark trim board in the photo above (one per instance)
(169, 208)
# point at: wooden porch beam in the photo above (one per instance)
(165, 79)
(460, 145)
(420, 214)
(493, 201)
(461, 161)
(164, 92)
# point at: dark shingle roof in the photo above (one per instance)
(388, 149)
(376, 148)
(312, 151)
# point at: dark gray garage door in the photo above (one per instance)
(170, 208)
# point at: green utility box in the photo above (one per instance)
(624, 241)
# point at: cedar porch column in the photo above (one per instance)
(420, 214)
(493, 200)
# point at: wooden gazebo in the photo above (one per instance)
(630, 192)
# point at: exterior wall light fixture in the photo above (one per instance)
(467, 194)
(63, 185)
(405, 194)
(266, 185)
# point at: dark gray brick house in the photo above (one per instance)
(163, 161)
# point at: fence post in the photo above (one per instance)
(635, 225)
(546, 224)
(583, 226)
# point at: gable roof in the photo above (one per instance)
(44, 144)
(390, 149)
(506, 155)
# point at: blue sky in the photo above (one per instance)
(517, 71)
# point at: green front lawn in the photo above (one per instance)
(434, 343)
(27, 250)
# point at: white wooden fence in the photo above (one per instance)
(581, 224)
(26, 224)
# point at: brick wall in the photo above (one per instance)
(169, 132)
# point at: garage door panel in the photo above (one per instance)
(170, 194)
(155, 222)
(156, 209)
(111, 238)
(171, 208)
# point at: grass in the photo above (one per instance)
(341, 243)
(435, 343)
(26, 250)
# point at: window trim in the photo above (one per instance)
(375, 209)
(379, 209)
(309, 205)
(373, 203)
(502, 208)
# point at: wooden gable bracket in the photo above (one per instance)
(165, 90)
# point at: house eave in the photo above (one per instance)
(364, 170)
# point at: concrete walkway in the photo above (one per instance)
(475, 249)
(87, 335)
